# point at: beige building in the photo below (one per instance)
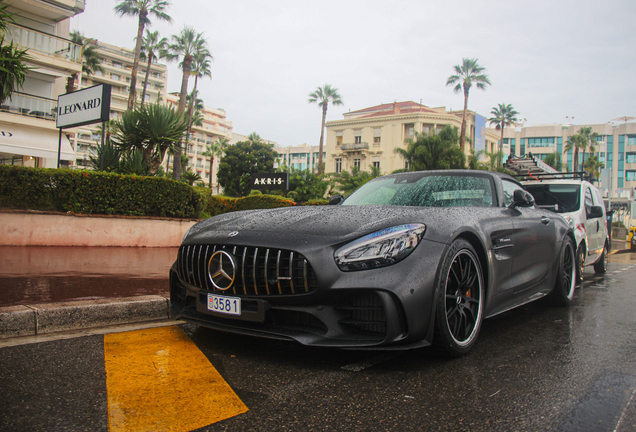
(300, 157)
(215, 126)
(117, 63)
(28, 135)
(616, 148)
(368, 136)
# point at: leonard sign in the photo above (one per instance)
(82, 107)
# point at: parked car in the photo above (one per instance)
(407, 260)
(581, 204)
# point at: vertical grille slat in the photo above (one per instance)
(259, 272)
(265, 272)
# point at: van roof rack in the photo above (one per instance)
(530, 167)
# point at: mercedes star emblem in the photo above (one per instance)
(222, 270)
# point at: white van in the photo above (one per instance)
(581, 204)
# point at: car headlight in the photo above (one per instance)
(379, 249)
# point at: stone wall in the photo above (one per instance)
(33, 228)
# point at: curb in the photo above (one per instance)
(37, 319)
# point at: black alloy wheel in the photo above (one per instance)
(601, 265)
(580, 262)
(459, 307)
(563, 291)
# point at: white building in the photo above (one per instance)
(28, 135)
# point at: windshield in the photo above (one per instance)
(567, 197)
(426, 190)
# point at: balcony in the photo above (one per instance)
(355, 147)
(45, 43)
(29, 105)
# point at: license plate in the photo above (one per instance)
(224, 304)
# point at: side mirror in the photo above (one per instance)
(336, 199)
(522, 198)
(595, 212)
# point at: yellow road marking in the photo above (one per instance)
(157, 379)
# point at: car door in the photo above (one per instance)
(593, 229)
(533, 248)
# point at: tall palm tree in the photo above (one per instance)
(467, 74)
(575, 142)
(322, 96)
(91, 60)
(200, 68)
(588, 140)
(503, 115)
(152, 47)
(185, 46)
(211, 151)
(142, 9)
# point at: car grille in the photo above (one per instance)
(260, 272)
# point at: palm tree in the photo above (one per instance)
(588, 140)
(322, 96)
(200, 68)
(152, 47)
(503, 115)
(12, 68)
(191, 176)
(467, 74)
(142, 9)
(431, 152)
(254, 138)
(186, 45)
(151, 129)
(91, 60)
(575, 142)
(593, 165)
(211, 151)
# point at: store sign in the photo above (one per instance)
(90, 105)
(266, 181)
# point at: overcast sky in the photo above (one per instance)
(549, 59)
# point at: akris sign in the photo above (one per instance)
(82, 107)
(264, 181)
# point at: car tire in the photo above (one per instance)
(580, 262)
(563, 291)
(459, 303)
(601, 265)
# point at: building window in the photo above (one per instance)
(376, 140)
(631, 158)
(356, 163)
(358, 136)
(339, 140)
(407, 164)
(541, 142)
(338, 165)
(409, 131)
(377, 134)
(376, 164)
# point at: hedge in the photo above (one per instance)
(92, 192)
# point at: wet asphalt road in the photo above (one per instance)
(537, 368)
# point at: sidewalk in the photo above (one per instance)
(43, 317)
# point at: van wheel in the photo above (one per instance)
(601, 265)
(580, 262)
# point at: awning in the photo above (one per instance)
(25, 141)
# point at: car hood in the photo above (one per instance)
(328, 224)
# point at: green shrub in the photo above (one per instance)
(92, 192)
(317, 202)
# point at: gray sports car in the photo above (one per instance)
(407, 260)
